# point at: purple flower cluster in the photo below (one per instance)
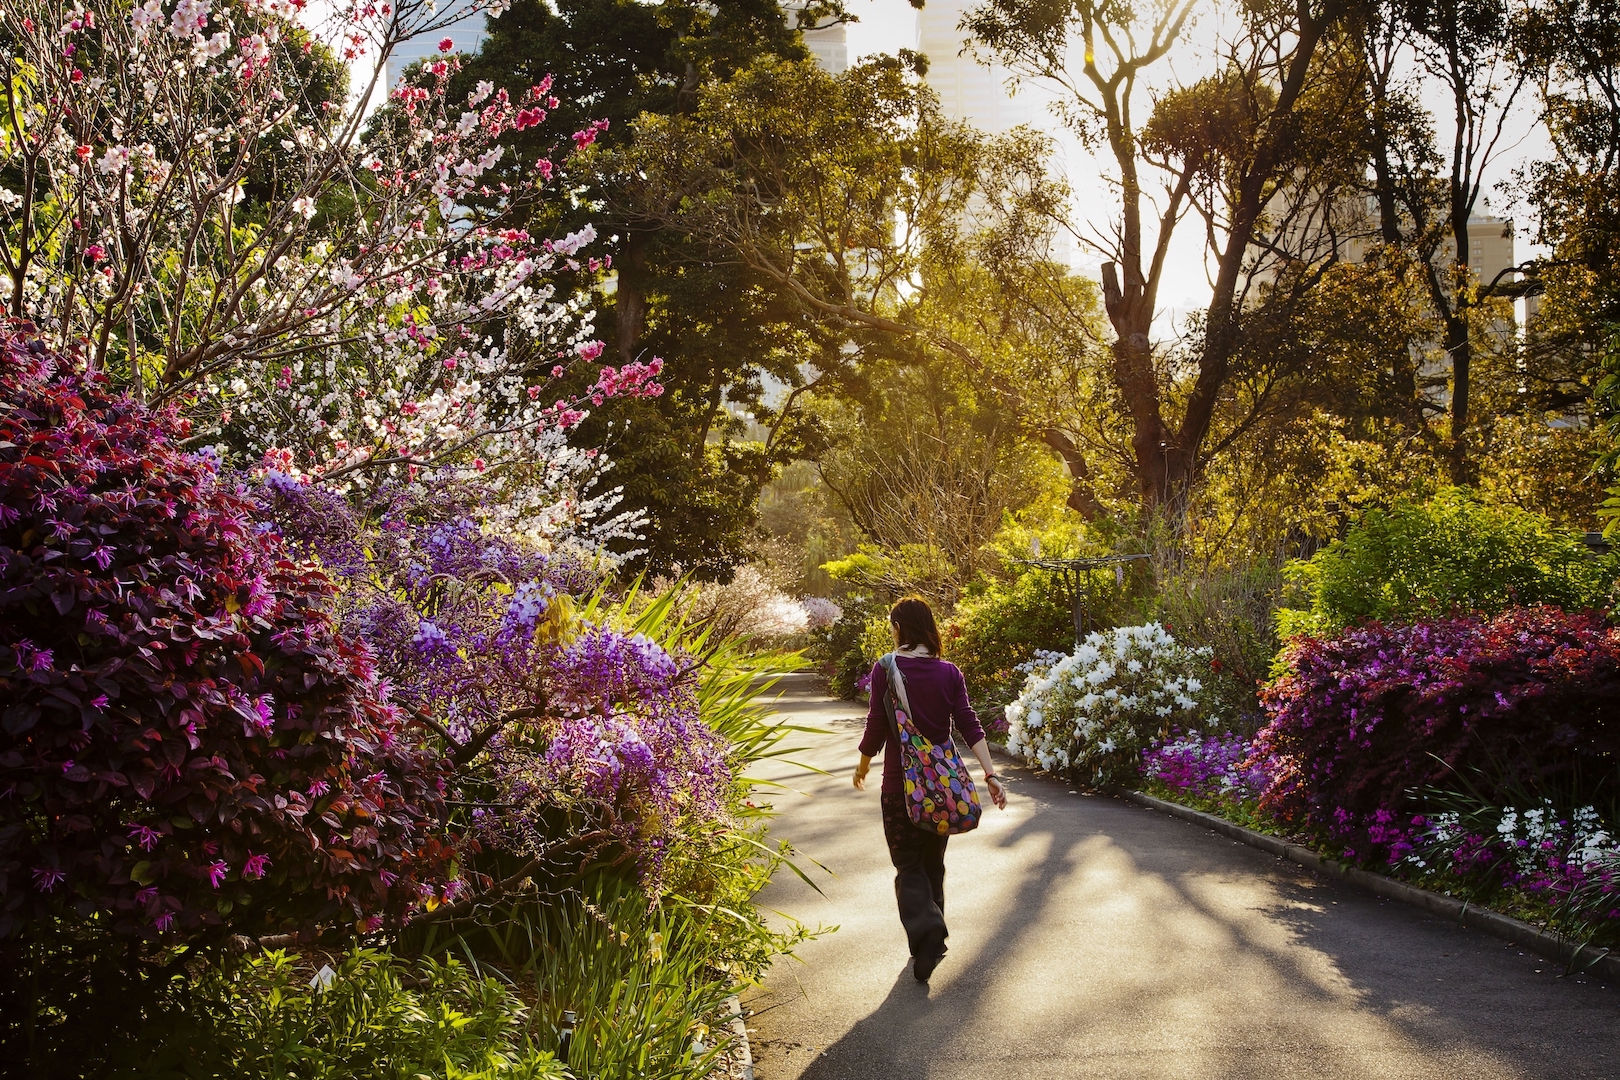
(480, 637)
(1208, 766)
(449, 608)
(604, 665)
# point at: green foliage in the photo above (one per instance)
(644, 984)
(844, 650)
(685, 458)
(1452, 552)
(379, 1018)
(1003, 626)
(1231, 612)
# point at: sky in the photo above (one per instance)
(886, 26)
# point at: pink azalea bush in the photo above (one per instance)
(1361, 721)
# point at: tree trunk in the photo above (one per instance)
(1461, 351)
(1131, 314)
(1082, 492)
(1222, 329)
(1459, 347)
(630, 299)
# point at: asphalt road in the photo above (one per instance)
(1091, 938)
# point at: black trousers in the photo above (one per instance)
(919, 874)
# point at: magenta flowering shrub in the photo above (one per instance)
(1359, 722)
(187, 744)
(497, 645)
(1208, 766)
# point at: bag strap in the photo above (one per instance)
(897, 682)
(894, 697)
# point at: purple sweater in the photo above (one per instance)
(938, 695)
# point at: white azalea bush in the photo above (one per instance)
(1092, 712)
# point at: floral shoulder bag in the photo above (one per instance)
(939, 793)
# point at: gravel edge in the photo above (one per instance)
(1573, 955)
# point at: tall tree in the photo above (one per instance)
(1572, 51)
(1230, 146)
(726, 337)
(1427, 197)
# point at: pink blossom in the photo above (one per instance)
(217, 872)
(145, 837)
(447, 44)
(253, 868)
(47, 878)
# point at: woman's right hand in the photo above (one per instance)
(861, 769)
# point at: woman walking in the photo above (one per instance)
(934, 694)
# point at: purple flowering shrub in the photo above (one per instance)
(188, 746)
(1214, 766)
(1361, 721)
(549, 711)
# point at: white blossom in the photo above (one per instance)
(1093, 710)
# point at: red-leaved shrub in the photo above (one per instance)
(187, 745)
(1528, 697)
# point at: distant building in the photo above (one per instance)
(467, 33)
(1348, 230)
(828, 45)
(968, 90)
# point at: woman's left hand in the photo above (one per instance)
(998, 791)
(861, 770)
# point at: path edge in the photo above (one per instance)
(739, 1031)
(1555, 947)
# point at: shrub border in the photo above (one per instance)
(1604, 963)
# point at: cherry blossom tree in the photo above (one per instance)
(188, 205)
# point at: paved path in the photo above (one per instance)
(1091, 938)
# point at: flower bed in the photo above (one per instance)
(1474, 755)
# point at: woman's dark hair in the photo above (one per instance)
(915, 620)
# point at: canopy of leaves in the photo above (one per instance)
(689, 458)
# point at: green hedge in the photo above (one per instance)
(1451, 553)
